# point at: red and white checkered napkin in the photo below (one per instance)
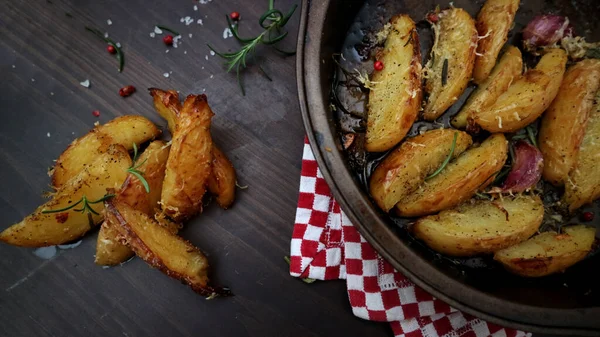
(326, 246)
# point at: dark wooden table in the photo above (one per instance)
(44, 54)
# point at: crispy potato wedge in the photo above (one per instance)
(40, 229)
(160, 248)
(563, 124)
(507, 71)
(395, 100)
(405, 168)
(583, 185)
(527, 98)
(452, 59)
(459, 181)
(190, 160)
(482, 226)
(221, 183)
(152, 163)
(548, 252)
(494, 21)
(124, 130)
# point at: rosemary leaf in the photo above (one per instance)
(531, 135)
(447, 158)
(141, 178)
(168, 29)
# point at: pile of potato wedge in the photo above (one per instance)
(453, 180)
(142, 202)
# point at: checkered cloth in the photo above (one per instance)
(326, 246)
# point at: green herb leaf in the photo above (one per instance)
(168, 29)
(133, 169)
(447, 158)
(120, 55)
(531, 135)
(84, 208)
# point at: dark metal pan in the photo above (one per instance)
(568, 303)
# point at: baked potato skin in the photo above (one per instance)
(405, 168)
(459, 180)
(222, 181)
(109, 250)
(160, 248)
(481, 227)
(124, 130)
(395, 101)
(190, 161)
(493, 24)
(583, 185)
(563, 124)
(527, 98)
(167, 104)
(549, 252)
(507, 71)
(39, 229)
(456, 43)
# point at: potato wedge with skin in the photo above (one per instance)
(40, 229)
(395, 100)
(452, 59)
(507, 71)
(481, 226)
(109, 250)
(548, 252)
(563, 124)
(190, 161)
(583, 185)
(160, 248)
(494, 21)
(527, 98)
(124, 130)
(405, 168)
(459, 180)
(221, 182)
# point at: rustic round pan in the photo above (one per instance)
(564, 304)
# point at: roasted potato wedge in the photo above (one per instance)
(494, 21)
(152, 163)
(548, 252)
(527, 98)
(405, 168)
(482, 226)
(452, 58)
(160, 248)
(583, 185)
(507, 71)
(221, 182)
(190, 161)
(124, 130)
(40, 229)
(459, 181)
(395, 100)
(563, 124)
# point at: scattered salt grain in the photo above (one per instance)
(195, 7)
(190, 35)
(14, 66)
(33, 80)
(202, 67)
(51, 93)
(157, 30)
(227, 33)
(206, 57)
(48, 134)
(153, 34)
(200, 22)
(188, 20)
(204, 2)
(118, 44)
(212, 53)
(109, 22)
(170, 72)
(185, 51)
(166, 74)
(85, 83)
(106, 35)
(96, 123)
(166, 51)
(211, 76)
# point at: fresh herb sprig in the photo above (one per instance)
(272, 21)
(445, 163)
(85, 208)
(120, 55)
(167, 29)
(134, 169)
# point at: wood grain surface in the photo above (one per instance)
(44, 54)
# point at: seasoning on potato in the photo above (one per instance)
(450, 66)
(563, 124)
(395, 99)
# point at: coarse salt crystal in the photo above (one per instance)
(85, 83)
(166, 74)
(181, 20)
(109, 22)
(33, 80)
(48, 134)
(200, 22)
(227, 33)
(185, 51)
(157, 30)
(211, 76)
(188, 20)
(152, 34)
(106, 35)
(190, 35)
(202, 67)
(170, 72)
(51, 93)
(195, 7)
(206, 57)
(212, 53)
(166, 51)
(118, 44)
(14, 66)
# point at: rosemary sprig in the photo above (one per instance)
(120, 55)
(272, 21)
(447, 158)
(85, 208)
(531, 135)
(167, 29)
(134, 169)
